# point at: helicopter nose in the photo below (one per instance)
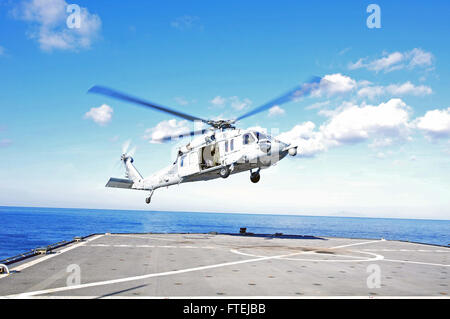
(281, 149)
(283, 145)
(265, 146)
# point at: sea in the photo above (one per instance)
(26, 228)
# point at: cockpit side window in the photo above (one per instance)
(248, 139)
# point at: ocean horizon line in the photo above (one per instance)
(337, 215)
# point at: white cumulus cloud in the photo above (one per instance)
(101, 115)
(166, 128)
(406, 88)
(309, 141)
(239, 104)
(48, 19)
(356, 123)
(352, 123)
(332, 84)
(418, 57)
(371, 91)
(435, 123)
(396, 61)
(233, 101)
(218, 101)
(276, 110)
(409, 88)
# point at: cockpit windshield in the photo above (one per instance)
(262, 136)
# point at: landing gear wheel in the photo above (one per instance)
(225, 172)
(149, 198)
(255, 177)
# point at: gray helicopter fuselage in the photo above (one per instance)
(204, 157)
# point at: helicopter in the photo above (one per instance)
(218, 151)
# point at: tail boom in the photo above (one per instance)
(133, 179)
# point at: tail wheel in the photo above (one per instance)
(255, 177)
(225, 172)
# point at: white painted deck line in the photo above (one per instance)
(58, 253)
(416, 262)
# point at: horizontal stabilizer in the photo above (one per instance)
(119, 183)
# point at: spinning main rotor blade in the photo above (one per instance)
(128, 98)
(168, 138)
(296, 93)
(300, 91)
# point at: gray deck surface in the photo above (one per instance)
(180, 265)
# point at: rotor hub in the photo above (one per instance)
(221, 124)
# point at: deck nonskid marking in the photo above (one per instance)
(168, 273)
(152, 246)
(58, 253)
(357, 244)
(251, 260)
(147, 237)
(376, 256)
(127, 279)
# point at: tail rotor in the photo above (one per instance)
(126, 153)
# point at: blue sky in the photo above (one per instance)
(375, 144)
